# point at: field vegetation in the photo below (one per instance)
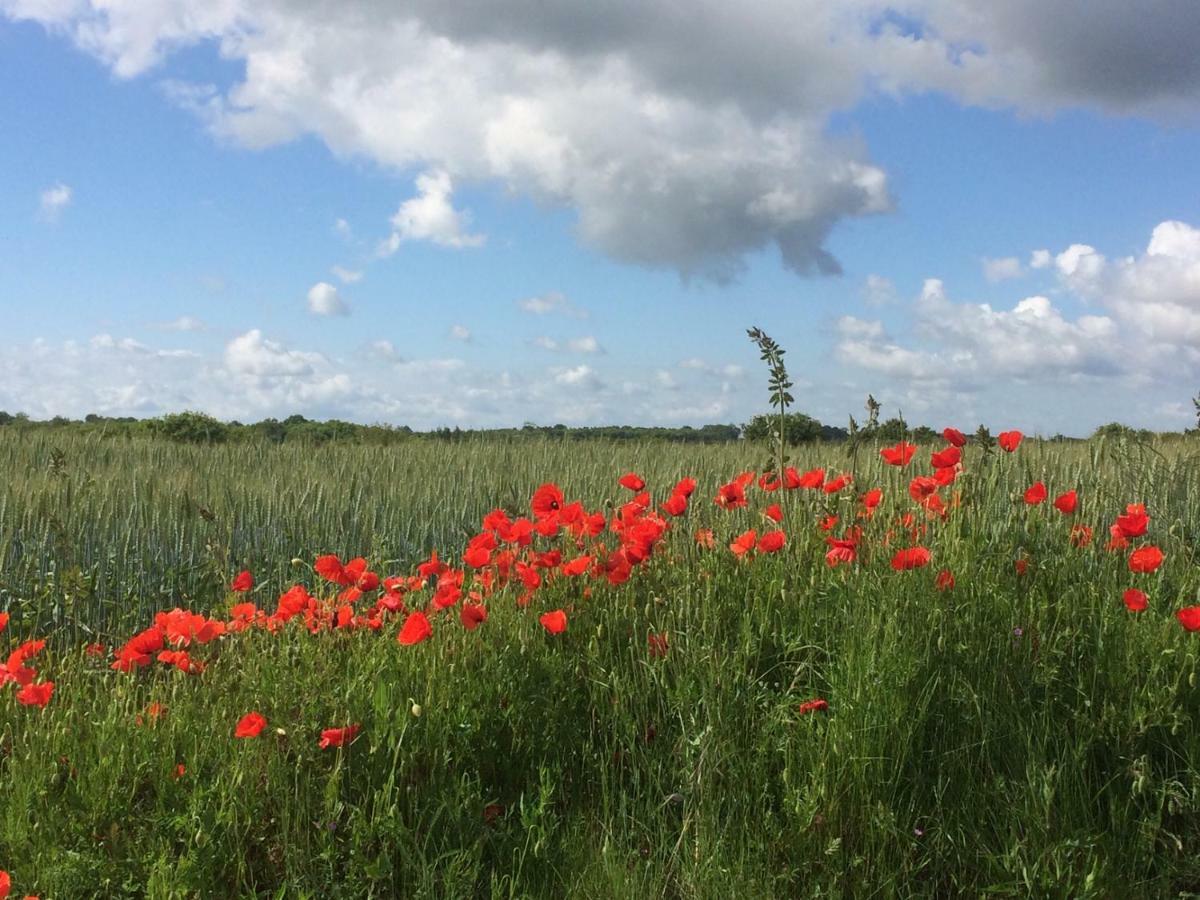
(914, 680)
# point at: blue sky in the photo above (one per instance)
(584, 217)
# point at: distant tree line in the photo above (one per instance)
(200, 428)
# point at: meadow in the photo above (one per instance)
(920, 697)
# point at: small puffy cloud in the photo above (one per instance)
(54, 200)
(342, 227)
(254, 355)
(1002, 269)
(578, 376)
(551, 302)
(878, 291)
(1040, 259)
(1080, 266)
(347, 276)
(431, 216)
(324, 300)
(460, 332)
(385, 350)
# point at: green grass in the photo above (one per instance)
(957, 758)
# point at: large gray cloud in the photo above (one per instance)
(682, 135)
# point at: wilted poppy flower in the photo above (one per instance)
(415, 629)
(242, 583)
(1009, 440)
(899, 455)
(946, 459)
(954, 436)
(631, 481)
(554, 622)
(1035, 494)
(772, 542)
(818, 704)
(944, 580)
(1135, 600)
(1066, 503)
(657, 644)
(1145, 559)
(338, 737)
(911, 558)
(36, 694)
(1021, 566)
(1081, 535)
(1189, 617)
(250, 725)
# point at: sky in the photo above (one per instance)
(476, 214)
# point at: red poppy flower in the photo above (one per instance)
(631, 481)
(1135, 600)
(3, 621)
(1021, 566)
(922, 487)
(946, 459)
(1134, 522)
(1066, 503)
(769, 482)
(685, 487)
(1189, 617)
(911, 558)
(5, 884)
(818, 704)
(676, 505)
(774, 513)
(1035, 494)
(180, 771)
(832, 487)
(811, 479)
(338, 737)
(472, 615)
(744, 543)
(828, 523)
(954, 436)
(547, 500)
(250, 725)
(1145, 559)
(36, 694)
(1009, 440)
(577, 566)
(657, 645)
(705, 538)
(415, 629)
(872, 498)
(945, 580)
(772, 542)
(554, 622)
(899, 455)
(242, 583)
(731, 496)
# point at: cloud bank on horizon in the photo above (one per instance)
(686, 139)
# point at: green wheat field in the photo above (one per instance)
(1017, 734)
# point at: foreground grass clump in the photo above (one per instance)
(721, 716)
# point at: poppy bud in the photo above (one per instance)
(416, 710)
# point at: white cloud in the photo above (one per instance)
(324, 300)
(551, 302)
(342, 227)
(183, 323)
(1002, 269)
(585, 344)
(460, 332)
(1040, 259)
(54, 200)
(347, 276)
(878, 291)
(431, 216)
